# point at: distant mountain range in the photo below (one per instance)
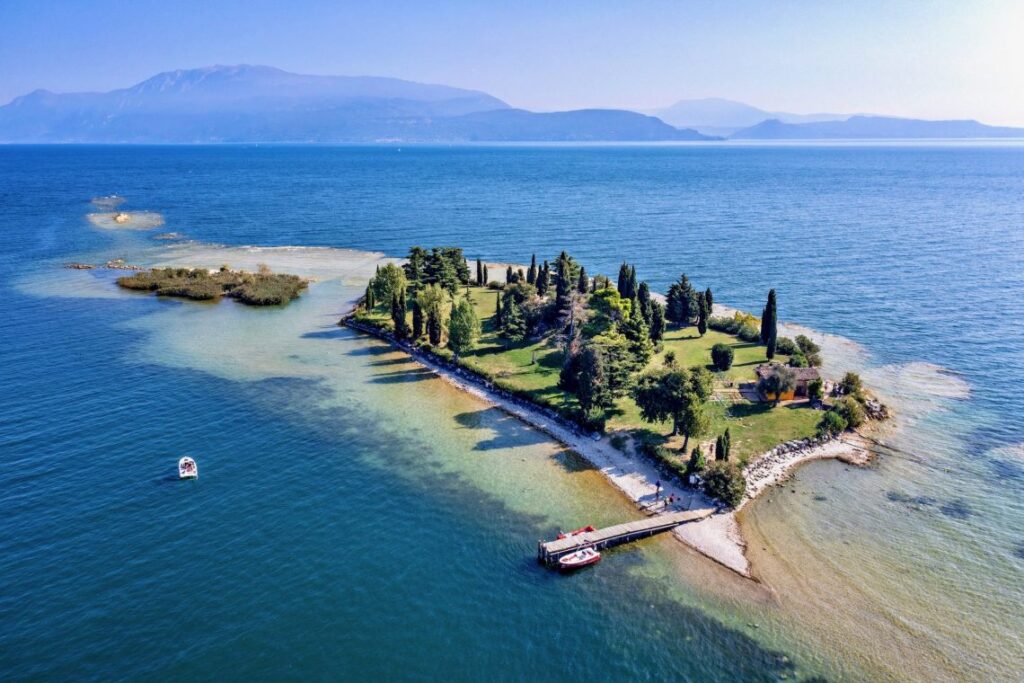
(264, 104)
(874, 127)
(717, 116)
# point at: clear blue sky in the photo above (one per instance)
(928, 58)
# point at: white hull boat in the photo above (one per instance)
(187, 468)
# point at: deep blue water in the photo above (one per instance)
(106, 571)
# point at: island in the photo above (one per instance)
(707, 404)
(262, 288)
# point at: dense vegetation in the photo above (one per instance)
(262, 288)
(604, 353)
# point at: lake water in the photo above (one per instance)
(356, 517)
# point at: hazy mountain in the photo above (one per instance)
(872, 127)
(582, 125)
(718, 116)
(264, 104)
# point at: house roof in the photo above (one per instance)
(802, 374)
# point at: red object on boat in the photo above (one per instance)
(580, 558)
(581, 530)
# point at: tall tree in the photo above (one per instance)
(592, 387)
(415, 265)
(678, 395)
(702, 315)
(563, 279)
(769, 322)
(643, 298)
(515, 323)
(543, 279)
(639, 335)
(435, 327)
(531, 275)
(398, 315)
(631, 283)
(417, 318)
(623, 284)
(463, 328)
(480, 273)
(508, 275)
(368, 297)
(499, 321)
(681, 301)
(432, 300)
(709, 299)
(657, 321)
(487, 277)
(388, 281)
(583, 284)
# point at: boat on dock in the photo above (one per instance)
(187, 468)
(581, 558)
(581, 530)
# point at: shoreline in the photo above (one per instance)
(718, 536)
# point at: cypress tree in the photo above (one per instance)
(709, 300)
(498, 321)
(657, 321)
(623, 282)
(769, 325)
(702, 316)
(434, 326)
(582, 286)
(417, 319)
(631, 283)
(643, 298)
(543, 279)
(487, 278)
(369, 297)
(480, 273)
(727, 439)
(768, 318)
(531, 275)
(398, 315)
(508, 275)
(720, 452)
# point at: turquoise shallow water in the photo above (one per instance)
(355, 517)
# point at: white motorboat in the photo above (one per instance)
(187, 468)
(581, 558)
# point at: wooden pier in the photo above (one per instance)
(548, 552)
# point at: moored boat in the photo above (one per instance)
(581, 558)
(187, 468)
(577, 532)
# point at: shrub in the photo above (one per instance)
(697, 463)
(786, 345)
(798, 360)
(809, 350)
(831, 424)
(851, 410)
(721, 356)
(851, 384)
(724, 481)
(748, 333)
(816, 389)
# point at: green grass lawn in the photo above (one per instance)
(691, 350)
(533, 367)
